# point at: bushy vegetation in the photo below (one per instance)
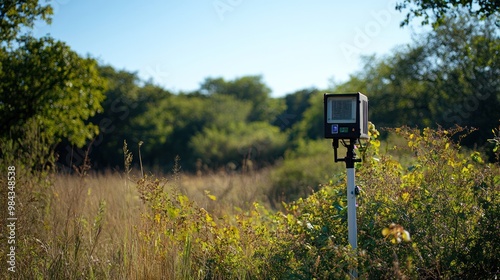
(435, 216)
(443, 199)
(302, 171)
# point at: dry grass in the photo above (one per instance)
(123, 206)
(98, 217)
(100, 214)
(82, 195)
(232, 190)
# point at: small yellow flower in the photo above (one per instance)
(397, 233)
(406, 236)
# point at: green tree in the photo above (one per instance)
(126, 100)
(44, 82)
(248, 88)
(18, 14)
(47, 91)
(467, 54)
(448, 76)
(245, 88)
(165, 122)
(311, 124)
(296, 104)
(238, 142)
(168, 124)
(435, 11)
(396, 88)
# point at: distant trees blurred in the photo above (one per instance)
(447, 76)
(248, 88)
(225, 122)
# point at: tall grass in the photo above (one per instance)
(106, 211)
(91, 223)
(133, 225)
(224, 192)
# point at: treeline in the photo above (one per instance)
(224, 123)
(79, 108)
(445, 78)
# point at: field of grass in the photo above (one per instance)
(229, 225)
(91, 223)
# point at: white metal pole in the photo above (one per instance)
(352, 226)
(351, 209)
(351, 215)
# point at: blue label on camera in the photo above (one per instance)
(335, 128)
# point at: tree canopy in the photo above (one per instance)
(18, 14)
(447, 76)
(435, 11)
(215, 125)
(248, 88)
(45, 82)
(44, 85)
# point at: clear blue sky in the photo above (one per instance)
(293, 44)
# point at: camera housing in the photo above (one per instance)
(346, 116)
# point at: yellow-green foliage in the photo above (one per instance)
(442, 199)
(426, 210)
(188, 241)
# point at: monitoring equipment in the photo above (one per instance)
(346, 121)
(346, 116)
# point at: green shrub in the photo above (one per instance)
(184, 241)
(239, 143)
(302, 171)
(445, 205)
(439, 199)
